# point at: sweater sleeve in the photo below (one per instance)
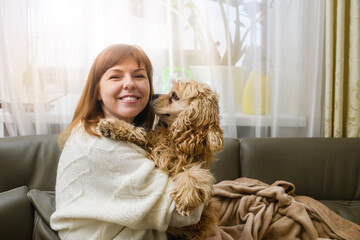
(108, 181)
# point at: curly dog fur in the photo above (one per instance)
(183, 145)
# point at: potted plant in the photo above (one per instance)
(218, 62)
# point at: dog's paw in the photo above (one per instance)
(184, 210)
(115, 129)
(120, 130)
(192, 187)
(188, 200)
(139, 134)
(106, 126)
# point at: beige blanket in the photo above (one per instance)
(251, 209)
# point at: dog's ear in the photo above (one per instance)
(197, 129)
(215, 138)
(184, 133)
(211, 121)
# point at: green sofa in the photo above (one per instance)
(323, 168)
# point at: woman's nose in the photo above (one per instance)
(128, 82)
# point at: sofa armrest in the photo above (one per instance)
(15, 207)
(28, 161)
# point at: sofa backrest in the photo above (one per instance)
(227, 166)
(323, 168)
(28, 161)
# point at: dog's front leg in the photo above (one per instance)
(201, 230)
(192, 187)
(123, 131)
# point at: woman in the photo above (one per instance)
(107, 189)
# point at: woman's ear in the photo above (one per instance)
(97, 92)
(98, 97)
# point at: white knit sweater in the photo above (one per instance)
(107, 189)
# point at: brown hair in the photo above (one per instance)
(88, 110)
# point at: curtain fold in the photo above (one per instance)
(264, 58)
(342, 99)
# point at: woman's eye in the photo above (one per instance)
(175, 96)
(139, 76)
(114, 77)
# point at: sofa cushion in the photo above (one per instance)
(349, 210)
(44, 204)
(321, 168)
(15, 206)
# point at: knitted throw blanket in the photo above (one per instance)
(251, 209)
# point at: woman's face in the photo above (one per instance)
(124, 90)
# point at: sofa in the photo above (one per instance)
(325, 169)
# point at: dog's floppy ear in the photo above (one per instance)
(215, 138)
(184, 132)
(197, 129)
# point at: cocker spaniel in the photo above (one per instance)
(183, 145)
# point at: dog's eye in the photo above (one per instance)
(175, 96)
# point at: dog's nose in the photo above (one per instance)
(155, 96)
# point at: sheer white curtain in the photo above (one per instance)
(264, 58)
(295, 40)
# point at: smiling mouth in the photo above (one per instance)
(128, 98)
